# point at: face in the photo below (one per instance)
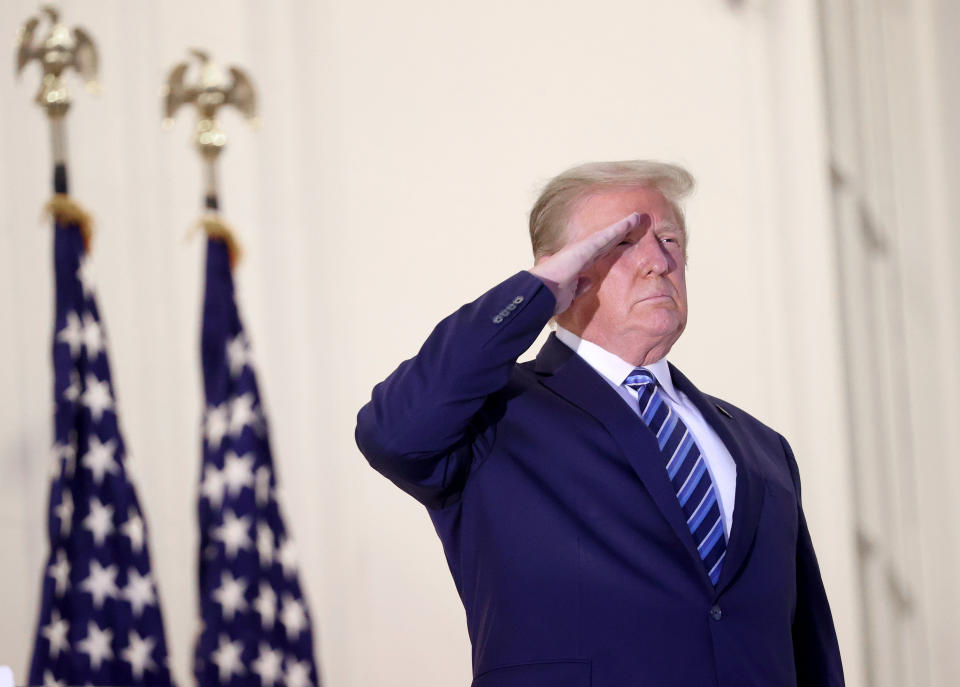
(637, 306)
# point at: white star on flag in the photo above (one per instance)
(101, 583)
(64, 458)
(56, 633)
(227, 658)
(139, 591)
(99, 521)
(238, 354)
(72, 334)
(288, 557)
(138, 654)
(268, 665)
(230, 595)
(266, 605)
(133, 530)
(237, 472)
(213, 486)
(97, 397)
(216, 425)
(60, 572)
(293, 617)
(50, 681)
(262, 488)
(92, 336)
(64, 512)
(241, 413)
(298, 673)
(72, 392)
(96, 644)
(99, 459)
(233, 533)
(265, 543)
(85, 276)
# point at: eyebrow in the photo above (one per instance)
(668, 226)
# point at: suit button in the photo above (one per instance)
(498, 319)
(518, 300)
(716, 613)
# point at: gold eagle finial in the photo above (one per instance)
(210, 91)
(62, 48)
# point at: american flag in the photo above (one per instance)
(256, 626)
(100, 621)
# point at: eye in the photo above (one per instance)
(669, 239)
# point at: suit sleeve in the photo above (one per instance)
(423, 427)
(815, 648)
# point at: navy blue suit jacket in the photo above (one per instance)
(564, 537)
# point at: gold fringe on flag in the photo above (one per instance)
(216, 228)
(67, 211)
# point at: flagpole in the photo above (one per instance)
(211, 197)
(58, 146)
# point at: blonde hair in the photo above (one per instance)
(550, 214)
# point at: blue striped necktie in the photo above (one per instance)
(686, 469)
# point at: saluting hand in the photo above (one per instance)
(562, 272)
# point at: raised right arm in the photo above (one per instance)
(423, 428)
(419, 427)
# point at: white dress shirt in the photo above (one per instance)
(723, 471)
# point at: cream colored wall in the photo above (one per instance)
(929, 253)
(401, 148)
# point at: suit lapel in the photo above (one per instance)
(573, 379)
(749, 491)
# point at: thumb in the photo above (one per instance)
(583, 285)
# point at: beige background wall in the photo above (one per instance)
(402, 145)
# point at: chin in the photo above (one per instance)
(660, 324)
(667, 335)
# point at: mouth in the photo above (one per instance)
(655, 297)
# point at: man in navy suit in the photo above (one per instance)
(606, 523)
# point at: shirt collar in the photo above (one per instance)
(611, 366)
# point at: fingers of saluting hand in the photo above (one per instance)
(561, 272)
(602, 242)
(575, 257)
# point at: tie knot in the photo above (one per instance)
(640, 377)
